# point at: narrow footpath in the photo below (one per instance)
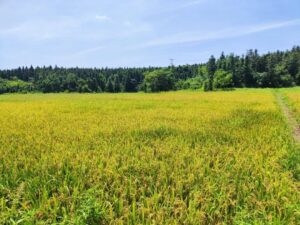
(291, 119)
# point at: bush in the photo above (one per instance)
(158, 80)
(223, 79)
(192, 83)
(15, 86)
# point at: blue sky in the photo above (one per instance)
(113, 33)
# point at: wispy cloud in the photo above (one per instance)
(102, 18)
(186, 4)
(40, 30)
(139, 32)
(271, 26)
(195, 2)
(231, 32)
(88, 51)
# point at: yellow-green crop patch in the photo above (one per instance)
(177, 157)
(292, 96)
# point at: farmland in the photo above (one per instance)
(184, 157)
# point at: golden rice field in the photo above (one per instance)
(293, 99)
(168, 158)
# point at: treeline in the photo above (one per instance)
(277, 69)
(49, 79)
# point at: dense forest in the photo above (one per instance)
(277, 69)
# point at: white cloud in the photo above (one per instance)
(88, 51)
(102, 17)
(128, 23)
(221, 34)
(271, 26)
(186, 4)
(196, 2)
(40, 30)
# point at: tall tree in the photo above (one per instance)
(211, 69)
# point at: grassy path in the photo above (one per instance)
(294, 155)
(291, 119)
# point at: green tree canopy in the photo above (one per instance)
(223, 79)
(158, 80)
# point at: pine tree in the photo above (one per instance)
(211, 69)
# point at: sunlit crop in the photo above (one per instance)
(167, 158)
(293, 99)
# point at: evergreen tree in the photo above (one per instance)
(248, 73)
(211, 69)
(109, 87)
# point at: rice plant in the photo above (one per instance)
(165, 158)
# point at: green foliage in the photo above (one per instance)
(262, 79)
(223, 79)
(211, 66)
(202, 71)
(277, 76)
(70, 82)
(277, 69)
(191, 83)
(297, 78)
(158, 80)
(15, 85)
(211, 69)
(206, 86)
